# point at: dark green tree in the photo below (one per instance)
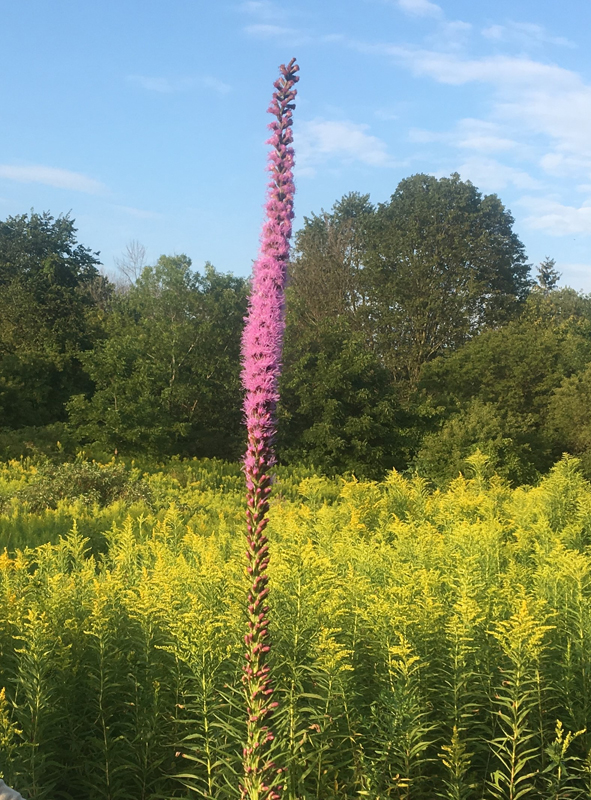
(547, 275)
(569, 417)
(444, 264)
(49, 286)
(338, 408)
(395, 287)
(329, 256)
(494, 393)
(166, 376)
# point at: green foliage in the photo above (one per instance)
(56, 441)
(376, 294)
(326, 269)
(414, 338)
(49, 285)
(510, 391)
(568, 415)
(419, 275)
(166, 376)
(548, 275)
(425, 643)
(444, 264)
(338, 409)
(521, 638)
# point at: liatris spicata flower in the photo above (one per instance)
(261, 353)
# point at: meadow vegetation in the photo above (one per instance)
(426, 643)
(429, 525)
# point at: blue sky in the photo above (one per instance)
(146, 120)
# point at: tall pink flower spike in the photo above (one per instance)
(261, 356)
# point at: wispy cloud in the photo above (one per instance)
(557, 219)
(570, 269)
(524, 34)
(537, 97)
(469, 134)
(139, 213)
(421, 8)
(560, 166)
(321, 141)
(215, 84)
(162, 85)
(482, 136)
(52, 176)
(262, 9)
(155, 84)
(386, 114)
(270, 20)
(493, 176)
(267, 31)
(454, 69)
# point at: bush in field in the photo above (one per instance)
(426, 644)
(82, 480)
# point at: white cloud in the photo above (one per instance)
(469, 134)
(486, 144)
(557, 219)
(482, 136)
(139, 213)
(576, 267)
(386, 114)
(155, 84)
(421, 8)
(322, 140)
(538, 111)
(262, 9)
(52, 176)
(452, 34)
(422, 136)
(173, 85)
(561, 165)
(539, 98)
(266, 31)
(492, 176)
(524, 34)
(576, 274)
(453, 69)
(208, 82)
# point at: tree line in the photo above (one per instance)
(416, 334)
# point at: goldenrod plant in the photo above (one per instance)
(426, 643)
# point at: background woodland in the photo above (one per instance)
(416, 334)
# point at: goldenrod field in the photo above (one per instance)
(425, 644)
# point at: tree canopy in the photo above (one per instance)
(166, 375)
(420, 275)
(415, 337)
(48, 285)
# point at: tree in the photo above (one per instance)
(166, 376)
(548, 275)
(132, 263)
(383, 291)
(329, 255)
(443, 265)
(569, 417)
(338, 408)
(495, 393)
(419, 275)
(49, 284)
